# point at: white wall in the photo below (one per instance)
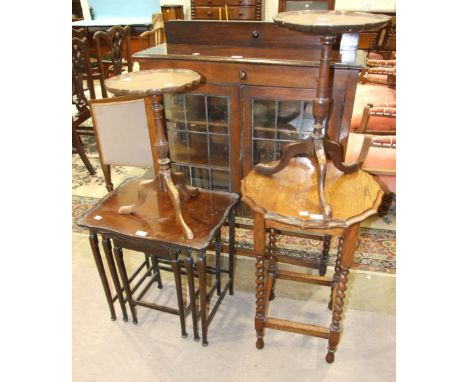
(370, 5)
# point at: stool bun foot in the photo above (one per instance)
(330, 357)
(125, 319)
(196, 339)
(260, 344)
(135, 321)
(184, 335)
(113, 318)
(204, 344)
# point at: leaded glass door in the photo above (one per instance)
(203, 134)
(274, 117)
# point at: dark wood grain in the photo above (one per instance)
(204, 213)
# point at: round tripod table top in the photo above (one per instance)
(153, 82)
(331, 22)
(291, 196)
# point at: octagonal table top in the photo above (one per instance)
(291, 195)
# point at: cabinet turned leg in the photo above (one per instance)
(325, 255)
(344, 262)
(272, 267)
(259, 245)
(335, 277)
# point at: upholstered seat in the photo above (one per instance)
(376, 95)
(380, 159)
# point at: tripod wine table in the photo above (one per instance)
(327, 24)
(316, 193)
(153, 84)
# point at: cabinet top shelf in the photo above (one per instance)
(246, 42)
(209, 54)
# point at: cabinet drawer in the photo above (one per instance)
(209, 13)
(240, 2)
(208, 3)
(241, 13)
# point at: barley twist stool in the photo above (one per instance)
(290, 199)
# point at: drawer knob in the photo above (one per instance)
(242, 74)
(240, 13)
(209, 13)
(255, 34)
(210, 1)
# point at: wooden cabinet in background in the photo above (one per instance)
(226, 9)
(259, 81)
(172, 12)
(300, 5)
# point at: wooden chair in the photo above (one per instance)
(151, 38)
(118, 56)
(80, 107)
(121, 129)
(95, 73)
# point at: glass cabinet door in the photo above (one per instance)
(273, 118)
(199, 131)
(275, 123)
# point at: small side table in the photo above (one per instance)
(153, 229)
(153, 84)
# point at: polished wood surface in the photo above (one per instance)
(156, 217)
(256, 61)
(331, 22)
(295, 200)
(153, 82)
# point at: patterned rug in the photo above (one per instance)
(376, 249)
